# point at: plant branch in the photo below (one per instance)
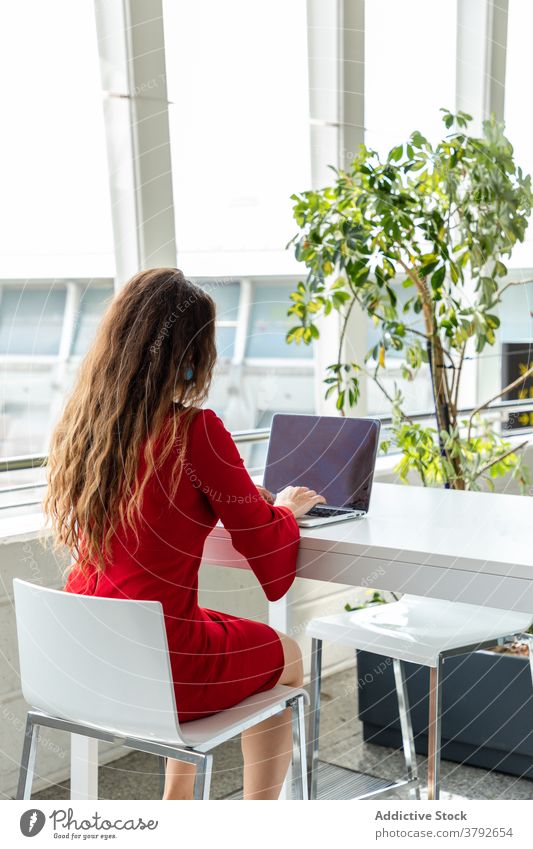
(345, 325)
(507, 388)
(458, 378)
(500, 458)
(512, 283)
(387, 395)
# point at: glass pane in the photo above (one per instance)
(518, 111)
(410, 51)
(269, 324)
(516, 314)
(226, 297)
(55, 216)
(93, 304)
(225, 341)
(239, 131)
(31, 320)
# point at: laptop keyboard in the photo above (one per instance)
(323, 511)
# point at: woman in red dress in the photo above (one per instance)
(138, 475)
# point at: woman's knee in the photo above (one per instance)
(293, 672)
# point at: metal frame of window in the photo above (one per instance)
(132, 59)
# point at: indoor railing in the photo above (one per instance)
(243, 437)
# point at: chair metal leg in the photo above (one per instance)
(314, 718)
(406, 726)
(299, 759)
(27, 764)
(434, 730)
(202, 782)
(529, 638)
(162, 764)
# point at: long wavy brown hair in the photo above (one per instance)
(153, 354)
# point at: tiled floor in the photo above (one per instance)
(135, 776)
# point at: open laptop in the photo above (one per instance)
(335, 456)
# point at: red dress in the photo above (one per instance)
(216, 659)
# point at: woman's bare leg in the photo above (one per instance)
(267, 747)
(179, 780)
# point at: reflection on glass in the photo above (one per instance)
(31, 320)
(269, 324)
(225, 342)
(226, 297)
(93, 303)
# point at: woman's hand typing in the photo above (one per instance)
(299, 499)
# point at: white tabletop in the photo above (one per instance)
(439, 526)
(464, 546)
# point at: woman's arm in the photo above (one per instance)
(266, 535)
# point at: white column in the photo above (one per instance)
(352, 114)
(481, 58)
(323, 75)
(132, 58)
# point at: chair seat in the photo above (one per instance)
(418, 629)
(205, 734)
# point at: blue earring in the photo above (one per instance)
(189, 373)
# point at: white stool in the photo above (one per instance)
(419, 630)
(100, 667)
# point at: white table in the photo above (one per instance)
(461, 546)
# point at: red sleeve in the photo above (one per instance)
(266, 536)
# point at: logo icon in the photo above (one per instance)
(32, 822)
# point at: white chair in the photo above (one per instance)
(100, 667)
(419, 630)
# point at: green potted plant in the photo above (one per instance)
(419, 242)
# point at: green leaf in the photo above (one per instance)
(339, 283)
(428, 267)
(396, 153)
(438, 277)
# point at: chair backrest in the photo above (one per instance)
(100, 661)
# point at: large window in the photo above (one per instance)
(56, 249)
(45, 328)
(409, 76)
(257, 373)
(518, 109)
(410, 53)
(55, 214)
(31, 320)
(237, 81)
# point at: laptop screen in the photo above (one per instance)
(334, 456)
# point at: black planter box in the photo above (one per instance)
(487, 718)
